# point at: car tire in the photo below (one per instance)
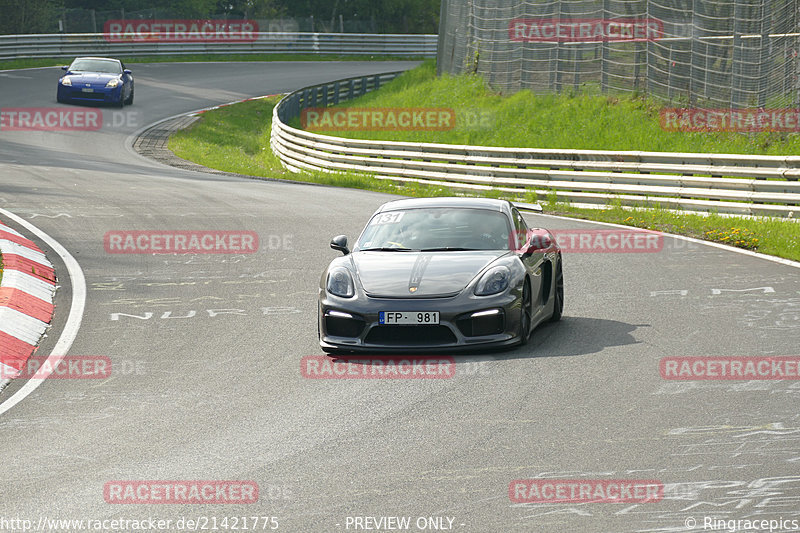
(525, 315)
(558, 295)
(129, 100)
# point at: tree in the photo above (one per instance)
(29, 16)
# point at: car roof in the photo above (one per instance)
(447, 201)
(102, 58)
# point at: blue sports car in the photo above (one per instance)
(96, 79)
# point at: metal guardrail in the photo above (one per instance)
(76, 44)
(725, 183)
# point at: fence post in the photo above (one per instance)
(442, 32)
(557, 69)
(694, 54)
(736, 56)
(648, 57)
(763, 72)
(604, 53)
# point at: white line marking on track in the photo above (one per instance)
(74, 319)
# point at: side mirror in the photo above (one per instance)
(65, 67)
(340, 243)
(127, 71)
(540, 241)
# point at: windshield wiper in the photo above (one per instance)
(387, 249)
(448, 249)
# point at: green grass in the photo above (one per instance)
(57, 62)
(584, 120)
(236, 139)
(765, 235)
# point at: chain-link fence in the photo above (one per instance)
(731, 53)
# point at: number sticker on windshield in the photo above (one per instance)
(387, 218)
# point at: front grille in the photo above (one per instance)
(410, 336)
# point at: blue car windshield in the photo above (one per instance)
(96, 65)
(437, 229)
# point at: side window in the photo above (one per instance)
(520, 230)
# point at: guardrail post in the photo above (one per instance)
(363, 89)
(336, 89)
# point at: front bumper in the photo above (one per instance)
(98, 94)
(466, 322)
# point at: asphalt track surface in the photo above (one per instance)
(219, 395)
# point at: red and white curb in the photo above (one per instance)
(26, 301)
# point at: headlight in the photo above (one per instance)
(112, 83)
(66, 81)
(495, 280)
(340, 283)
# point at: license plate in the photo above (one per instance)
(87, 90)
(408, 317)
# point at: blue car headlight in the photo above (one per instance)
(66, 81)
(340, 283)
(494, 281)
(112, 83)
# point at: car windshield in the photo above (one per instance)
(96, 65)
(436, 229)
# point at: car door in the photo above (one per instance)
(533, 262)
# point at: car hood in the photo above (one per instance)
(94, 78)
(420, 274)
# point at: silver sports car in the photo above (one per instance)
(440, 274)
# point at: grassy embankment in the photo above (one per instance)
(236, 139)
